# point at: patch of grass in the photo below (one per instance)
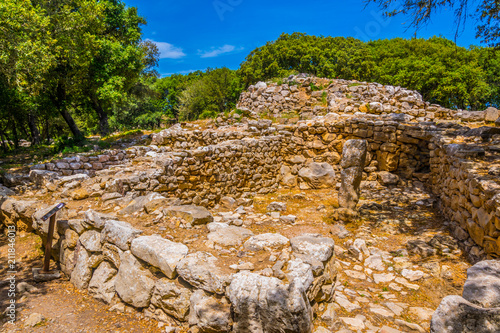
(208, 114)
(123, 135)
(289, 115)
(315, 87)
(354, 84)
(267, 115)
(277, 80)
(323, 98)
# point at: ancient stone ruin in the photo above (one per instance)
(391, 197)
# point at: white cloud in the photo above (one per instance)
(168, 51)
(215, 52)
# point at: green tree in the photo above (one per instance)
(25, 58)
(122, 58)
(216, 91)
(170, 89)
(442, 72)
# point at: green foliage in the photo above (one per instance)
(298, 52)
(73, 61)
(323, 98)
(68, 145)
(215, 91)
(441, 71)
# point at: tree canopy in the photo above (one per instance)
(80, 60)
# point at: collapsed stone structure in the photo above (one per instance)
(368, 132)
(301, 97)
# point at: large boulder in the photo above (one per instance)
(354, 154)
(387, 179)
(18, 213)
(457, 315)
(210, 313)
(259, 242)
(193, 214)
(478, 310)
(91, 241)
(134, 283)
(491, 114)
(318, 175)
(313, 246)
(138, 204)
(102, 284)
(5, 192)
(172, 298)
(353, 163)
(82, 272)
(119, 233)
(201, 270)
(483, 284)
(41, 177)
(266, 304)
(317, 252)
(96, 219)
(159, 252)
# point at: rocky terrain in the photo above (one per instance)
(365, 210)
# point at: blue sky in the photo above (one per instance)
(194, 35)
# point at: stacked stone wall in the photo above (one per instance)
(469, 196)
(299, 98)
(84, 163)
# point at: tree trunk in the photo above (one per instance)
(71, 123)
(61, 101)
(35, 133)
(14, 133)
(5, 141)
(103, 117)
(46, 133)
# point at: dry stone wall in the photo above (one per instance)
(469, 195)
(204, 175)
(299, 97)
(306, 155)
(84, 163)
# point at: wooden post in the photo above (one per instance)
(48, 245)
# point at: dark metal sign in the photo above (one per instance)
(53, 211)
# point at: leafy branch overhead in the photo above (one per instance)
(485, 12)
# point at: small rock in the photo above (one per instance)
(412, 275)
(383, 278)
(34, 319)
(276, 207)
